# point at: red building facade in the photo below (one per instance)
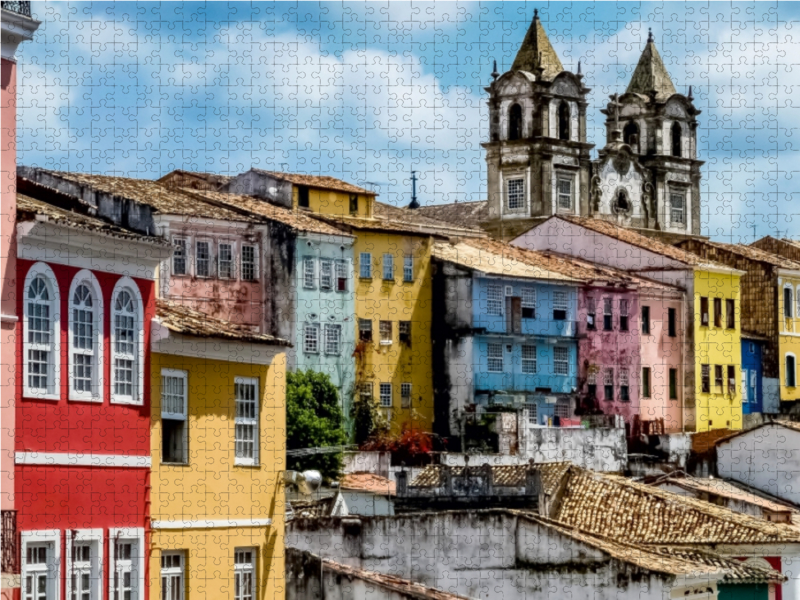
(86, 296)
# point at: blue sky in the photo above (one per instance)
(366, 92)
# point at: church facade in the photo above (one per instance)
(539, 163)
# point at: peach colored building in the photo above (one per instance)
(17, 26)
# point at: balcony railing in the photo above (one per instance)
(10, 541)
(22, 8)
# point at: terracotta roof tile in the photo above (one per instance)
(31, 206)
(313, 509)
(504, 475)
(186, 321)
(317, 181)
(295, 219)
(368, 482)
(463, 214)
(726, 489)
(750, 252)
(651, 75)
(622, 509)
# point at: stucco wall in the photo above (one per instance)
(766, 458)
(603, 450)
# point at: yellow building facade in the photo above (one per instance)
(218, 451)
(717, 349)
(789, 335)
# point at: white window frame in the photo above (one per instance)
(330, 328)
(495, 302)
(385, 392)
(326, 274)
(388, 267)
(529, 362)
(172, 571)
(179, 416)
(365, 265)
(406, 390)
(93, 537)
(51, 537)
(533, 412)
(247, 461)
(342, 271)
(493, 355)
(177, 242)
(309, 273)
(518, 194)
(54, 347)
(791, 308)
(130, 535)
(240, 569)
(529, 299)
(557, 361)
(385, 342)
(87, 278)
(408, 268)
(209, 259)
(256, 261)
(137, 398)
(308, 328)
(232, 261)
(564, 178)
(674, 212)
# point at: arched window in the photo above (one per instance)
(41, 333)
(86, 335)
(676, 139)
(621, 204)
(630, 136)
(563, 121)
(126, 343)
(515, 122)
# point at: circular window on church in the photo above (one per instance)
(621, 204)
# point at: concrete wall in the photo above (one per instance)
(368, 504)
(483, 554)
(766, 458)
(603, 450)
(366, 462)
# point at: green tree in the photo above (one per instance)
(313, 420)
(368, 419)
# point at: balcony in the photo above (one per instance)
(10, 538)
(21, 8)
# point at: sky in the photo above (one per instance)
(369, 91)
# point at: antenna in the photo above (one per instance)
(414, 203)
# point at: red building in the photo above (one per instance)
(86, 296)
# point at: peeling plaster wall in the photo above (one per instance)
(603, 450)
(483, 554)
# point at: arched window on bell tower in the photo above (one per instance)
(563, 121)
(515, 122)
(676, 139)
(630, 136)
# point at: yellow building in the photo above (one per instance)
(717, 348)
(789, 334)
(218, 451)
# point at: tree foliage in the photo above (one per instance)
(314, 419)
(368, 419)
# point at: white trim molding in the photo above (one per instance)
(137, 398)
(210, 523)
(16, 28)
(164, 341)
(127, 534)
(80, 459)
(52, 537)
(43, 270)
(87, 278)
(95, 538)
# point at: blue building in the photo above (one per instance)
(505, 333)
(752, 375)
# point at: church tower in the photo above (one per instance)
(538, 160)
(648, 175)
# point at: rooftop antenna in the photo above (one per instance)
(414, 204)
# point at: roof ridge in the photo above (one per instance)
(537, 53)
(651, 75)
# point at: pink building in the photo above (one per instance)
(17, 26)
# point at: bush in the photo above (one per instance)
(314, 419)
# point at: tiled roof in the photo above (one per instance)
(694, 563)
(750, 252)
(463, 214)
(30, 206)
(377, 224)
(152, 193)
(186, 321)
(622, 509)
(637, 239)
(317, 181)
(537, 52)
(368, 482)
(651, 75)
(196, 180)
(503, 475)
(414, 217)
(726, 489)
(254, 206)
(313, 509)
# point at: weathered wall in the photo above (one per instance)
(481, 554)
(366, 462)
(767, 458)
(603, 450)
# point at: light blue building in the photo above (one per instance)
(506, 336)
